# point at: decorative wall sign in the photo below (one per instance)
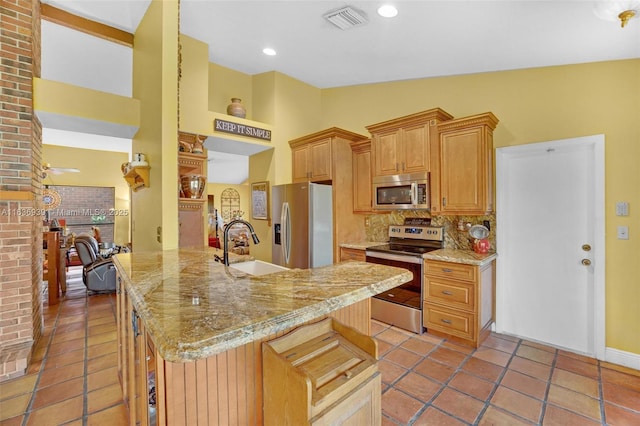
(260, 200)
(241, 129)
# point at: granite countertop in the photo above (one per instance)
(194, 307)
(362, 245)
(468, 257)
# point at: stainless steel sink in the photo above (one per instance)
(257, 267)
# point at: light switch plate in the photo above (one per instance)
(622, 208)
(623, 232)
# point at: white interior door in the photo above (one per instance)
(550, 229)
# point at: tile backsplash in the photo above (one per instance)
(377, 228)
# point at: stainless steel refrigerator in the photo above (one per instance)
(303, 225)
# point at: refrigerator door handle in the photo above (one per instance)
(285, 220)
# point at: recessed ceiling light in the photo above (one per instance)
(269, 51)
(387, 11)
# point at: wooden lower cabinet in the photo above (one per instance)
(136, 362)
(223, 389)
(360, 407)
(459, 300)
(321, 374)
(352, 254)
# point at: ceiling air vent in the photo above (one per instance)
(346, 17)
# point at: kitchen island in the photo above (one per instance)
(193, 329)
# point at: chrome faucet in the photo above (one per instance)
(226, 237)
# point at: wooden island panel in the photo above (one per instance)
(226, 388)
(195, 328)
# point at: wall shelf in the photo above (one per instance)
(191, 211)
(190, 203)
(137, 177)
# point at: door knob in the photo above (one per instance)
(586, 262)
(586, 247)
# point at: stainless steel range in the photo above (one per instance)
(402, 305)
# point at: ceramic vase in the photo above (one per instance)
(236, 109)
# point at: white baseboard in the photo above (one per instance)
(626, 359)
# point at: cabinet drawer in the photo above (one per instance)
(454, 294)
(455, 271)
(352, 254)
(450, 321)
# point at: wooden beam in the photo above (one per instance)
(87, 26)
(16, 195)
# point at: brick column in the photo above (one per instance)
(21, 288)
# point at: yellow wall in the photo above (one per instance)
(224, 84)
(97, 168)
(74, 101)
(261, 165)
(193, 86)
(216, 189)
(155, 76)
(539, 105)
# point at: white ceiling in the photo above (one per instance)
(428, 38)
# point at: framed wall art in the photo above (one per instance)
(260, 200)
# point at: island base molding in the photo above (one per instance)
(222, 389)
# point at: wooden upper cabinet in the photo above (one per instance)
(327, 157)
(320, 156)
(463, 181)
(312, 161)
(314, 156)
(415, 145)
(388, 152)
(362, 186)
(300, 163)
(402, 145)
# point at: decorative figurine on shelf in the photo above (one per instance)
(198, 145)
(185, 146)
(236, 109)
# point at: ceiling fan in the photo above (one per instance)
(47, 168)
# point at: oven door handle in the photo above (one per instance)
(392, 256)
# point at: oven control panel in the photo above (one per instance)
(432, 233)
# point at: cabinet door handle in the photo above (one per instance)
(134, 324)
(446, 321)
(447, 293)
(396, 167)
(403, 166)
(447, 270)
(444, 201)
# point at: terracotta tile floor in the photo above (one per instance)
(72, 378)
(507, 381)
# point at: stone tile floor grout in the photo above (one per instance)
(454, 401)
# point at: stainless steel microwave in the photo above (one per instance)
(398, 192)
